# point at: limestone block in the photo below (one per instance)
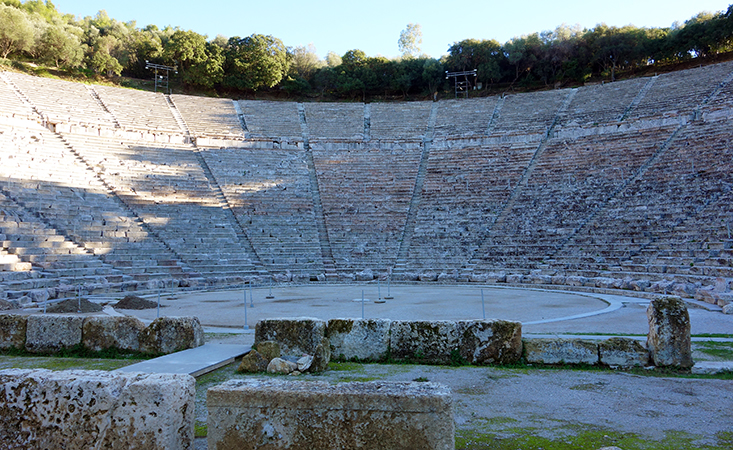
(95, 409)
(364, 275)
(560, 351)
(39, 295)
(361, 339)
(575, 281)
(428, 276)
(273, 413)
(295, 336)
(321, 357)
(253, 362)
(12, 331)
(269, 350)
(428, 342)
(669, 340)
(281, 366)
(728, 309)
(515, 278)
(103, 332)
(171, 334)
(478, 278)
(496, 277)
(490, 341)
(49, 333)
(724, 299)
(623, 352)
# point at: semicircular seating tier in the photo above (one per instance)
(623, 185)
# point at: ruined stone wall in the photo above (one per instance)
(95, 409)
(257, 414)
(51, 333)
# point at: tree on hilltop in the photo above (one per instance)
(410, 40)
(255, 62)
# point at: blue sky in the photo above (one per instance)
(374, 25)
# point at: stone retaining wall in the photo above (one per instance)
(482, 341)
(265, 414)
(51, 333)
(428, 342)
(95, 409)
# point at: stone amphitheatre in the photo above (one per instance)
(621, 189)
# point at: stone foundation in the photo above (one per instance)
(669, 339)
(257, 414)
(51, 333)
(95, 409)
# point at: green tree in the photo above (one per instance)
(255, 62)
(184, 49)
(432, 74)
(61, 46)
(208, 72)
(333, 60)
(304, 61)
(16, 31)
(101, 59)
(410, 40)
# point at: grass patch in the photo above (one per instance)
(52, 363)
(575, 437)
(81, 352)
(723, 350)
(200, 429)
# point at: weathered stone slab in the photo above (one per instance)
(360, 339)
(428, 342)
(253, 362)
(669, 339)
(12, 331)
(560, 351)
(95, 409)
(623, 352)
(268, 414)
(295, 336)
(490, 341)
(50, 333)
(171, 334)
(103, 332)
(712, 367)
(269, 350)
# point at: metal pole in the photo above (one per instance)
(78, 298)
(251, 300)
(389, 282)
(362, 304)
(379, 289)
(158, 302)
(244, 291)
(270, 296)
(483, 308)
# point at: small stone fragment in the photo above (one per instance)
(279, 365)
(304, 363)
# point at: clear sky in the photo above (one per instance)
(374, 25)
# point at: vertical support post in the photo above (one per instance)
(389, 282)
(244, 291)
(158, 302)
(270, 296)
(379, 289)
(362, 304)
(251, 299)
(483, 307)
